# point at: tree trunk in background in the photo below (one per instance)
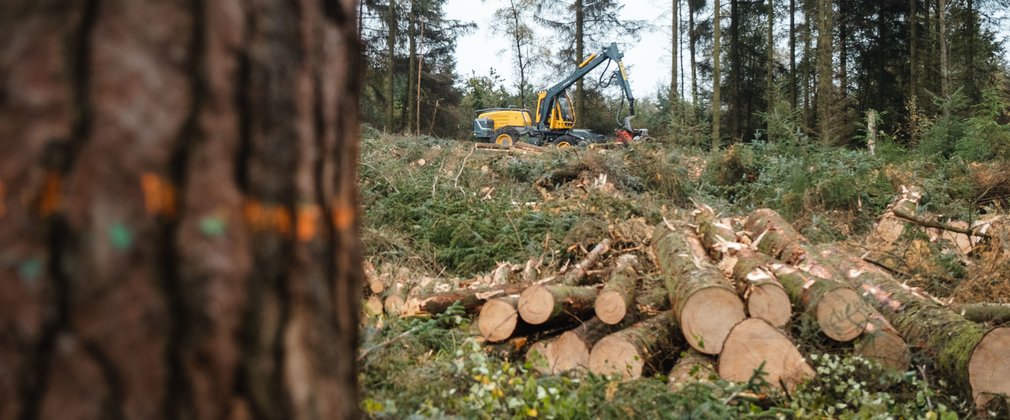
(179, 233)
(412, 67)
(580, 51)
(694, 69)
(941, 12)
(716, 141)
(843, 53)
(792, 55)
(390, 63)
(674, 96)
(824, 69)
(519, 53)
(771, 56)
(913, 45)
(808, 52)
(735, 50)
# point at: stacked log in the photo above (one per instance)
(966, 353)
(705, 306)
(640, 348)
(755, 344)
(539, 304)
(615, 300)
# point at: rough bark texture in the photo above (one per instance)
(470, 299)
(544, 304)
(774, 236)
(614, 301)
(963, 352)
(987, 313)
(705, 305)
(180, 234)
(637, 349)
(716, 83)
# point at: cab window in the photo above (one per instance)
(566, 108)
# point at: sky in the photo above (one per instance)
(647, 61)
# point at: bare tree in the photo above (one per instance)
(178, 210)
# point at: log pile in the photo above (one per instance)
(709, 296)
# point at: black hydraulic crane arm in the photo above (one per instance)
(592, 62)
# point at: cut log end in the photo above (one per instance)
(614, 356)
(708, 316)
(611, 307)
(497, 320)
(692, 367)
(536, 305)
(989, 367)
(885, 347)
(539, 358)
(393, 304)
(569, 352)
(754, 342)
(842, 315)
(770, 303)
(373, 306)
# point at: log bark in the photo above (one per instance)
(616, 298)
(968, 355)
(760, 289)
(470, 299)
(540, 304)
(692, 367)
(705, 305)
(839, 311)
(640, 348)
(774, 236)
(578, 273)
(753, 344)
(180, 225)
(985, 313)
(715, 235)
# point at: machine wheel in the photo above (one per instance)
(506, 138)
(564, 144)
(567, 141)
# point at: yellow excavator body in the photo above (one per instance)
(562, 116)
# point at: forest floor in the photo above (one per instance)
(442, 214)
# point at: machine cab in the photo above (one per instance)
(562, 116)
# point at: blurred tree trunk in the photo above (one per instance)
(178, 210)
(824, 69)
(674, 97)
(580, 54)
(692, 37)
(390, 65)
(412, 68)
(716, 105)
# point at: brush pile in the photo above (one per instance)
(701, 295)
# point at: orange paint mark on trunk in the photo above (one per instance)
(267, 217)
(49, 199)
(307, 222)
(159, 195)
(343, 216)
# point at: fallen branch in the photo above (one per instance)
(902, 214)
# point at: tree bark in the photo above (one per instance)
(913, 55)
(941, 13)
(792, 55)
(580, 51)
(694, 69)
(470, 299)
(411, 66)
(705, 305)
(765, 296)
(825, 75)
(986, 313)
(716, 104)
(182, 213)
(770, 83)
(675, 47)
(774, 236)
(390, 65)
